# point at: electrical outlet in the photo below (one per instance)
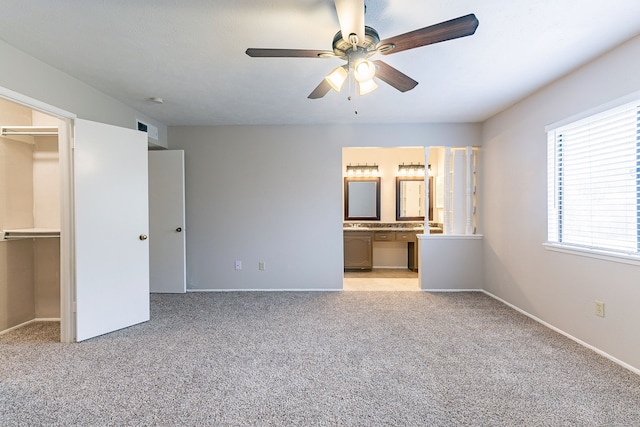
(261, 265)
(599, 308)
(238, 265)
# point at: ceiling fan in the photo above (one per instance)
(356, 43)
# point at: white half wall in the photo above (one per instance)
(450, 263)
(273, 194)
(557, 288)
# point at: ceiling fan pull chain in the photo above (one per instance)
(350, 96)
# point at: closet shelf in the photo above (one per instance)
(30, 233)
(26, 133)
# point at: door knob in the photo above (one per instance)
(179, 229)
(143, 237)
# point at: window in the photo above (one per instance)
(594, 182)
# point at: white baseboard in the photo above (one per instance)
(451, 290)
(13, 328)
(571, 337)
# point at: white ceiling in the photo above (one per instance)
(191, 53)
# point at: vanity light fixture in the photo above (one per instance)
(411, 170)
(362, 170)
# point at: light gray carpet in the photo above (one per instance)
(361, 358)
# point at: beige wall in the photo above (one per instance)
(46, 277)
(17, 303)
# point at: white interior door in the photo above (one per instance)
(111, 226)
(166, 222)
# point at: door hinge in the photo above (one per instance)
(75, 307)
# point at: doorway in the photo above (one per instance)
(388, 241)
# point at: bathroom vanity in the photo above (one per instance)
(360, 239)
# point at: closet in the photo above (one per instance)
(29, 216)
(74, 221)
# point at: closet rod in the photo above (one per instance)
(39, 236)
(29, 130)
(30, 233)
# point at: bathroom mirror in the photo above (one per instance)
(362, 198)
(410, 199)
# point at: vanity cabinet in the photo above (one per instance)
(358, 251)
(412, 254)
(412, 248)
(358, 247)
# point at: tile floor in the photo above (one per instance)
(391, 280)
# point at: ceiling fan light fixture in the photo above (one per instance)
(364, 70)
(367, 86)
(336, 78)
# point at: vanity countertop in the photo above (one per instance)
(432, 230)
(390, 226)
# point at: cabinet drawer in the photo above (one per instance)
(382, 236)
(406, 236)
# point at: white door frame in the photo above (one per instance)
(67, 248)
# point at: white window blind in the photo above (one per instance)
(594, 181)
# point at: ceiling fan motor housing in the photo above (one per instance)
(365, 48)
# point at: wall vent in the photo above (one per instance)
(151, 130)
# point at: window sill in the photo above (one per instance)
(594, 253)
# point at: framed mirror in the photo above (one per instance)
(410, 204)
(362, 198)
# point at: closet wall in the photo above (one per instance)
(29, 198)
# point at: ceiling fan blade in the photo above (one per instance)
(351, 18)
(288, 53)
(448, 30)
(320, 91)
(393, 77)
